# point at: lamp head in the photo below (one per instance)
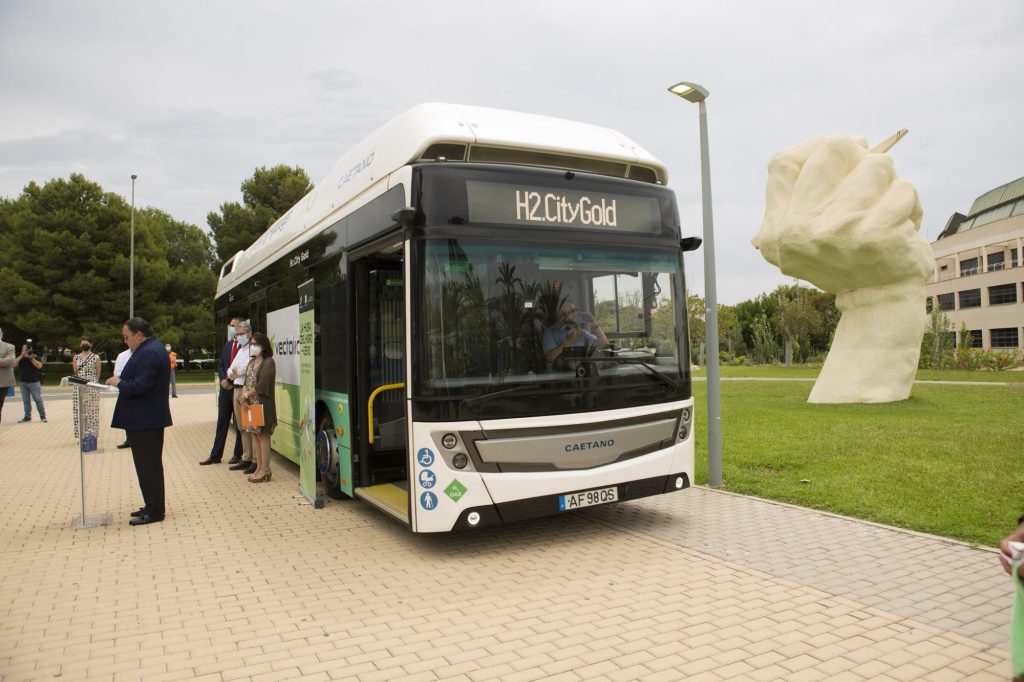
(134, 176)
(691, 92)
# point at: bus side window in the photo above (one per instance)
(333, 341)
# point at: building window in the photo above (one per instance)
(970, 298)
(969, 267)
(1003, 338)
(1004, 293)
(1013, 258)
(976, 338)
(945, 301)
(996, 261)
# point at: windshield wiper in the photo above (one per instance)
(469, 402)
(669, 381)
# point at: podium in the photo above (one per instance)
(87, 445)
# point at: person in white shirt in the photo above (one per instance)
(119, 363)
(236, 375)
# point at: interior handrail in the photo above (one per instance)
(369, 404)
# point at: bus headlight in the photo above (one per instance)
(683, 432)
(449, 441)
(686, 415)
(473, 518)
(460, 461)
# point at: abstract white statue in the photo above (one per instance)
(836, 215)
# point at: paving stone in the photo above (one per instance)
(249, 582)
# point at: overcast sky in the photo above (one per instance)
(193, 96)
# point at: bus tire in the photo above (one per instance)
(331, 476)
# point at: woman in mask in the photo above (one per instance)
(86, 365)
(260, 376)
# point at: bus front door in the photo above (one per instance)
(380, 370)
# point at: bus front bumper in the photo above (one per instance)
(547, 505)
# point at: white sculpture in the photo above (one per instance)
(836, 215)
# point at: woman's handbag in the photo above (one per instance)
(252, 415)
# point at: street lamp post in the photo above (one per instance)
(692, 92)
(131, 258)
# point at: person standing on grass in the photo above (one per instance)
(143, 410)
(1006, 555)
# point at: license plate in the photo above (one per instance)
(588, 498)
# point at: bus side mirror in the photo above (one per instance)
(690, 243)
(404, 217)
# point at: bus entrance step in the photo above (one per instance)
(388, 497)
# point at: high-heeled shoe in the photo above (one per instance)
(260, 479)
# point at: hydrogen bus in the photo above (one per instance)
(451, 252)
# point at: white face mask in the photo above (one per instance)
(243, 340)
(167, 348)
(255, 350)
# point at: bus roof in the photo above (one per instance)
(457, 133)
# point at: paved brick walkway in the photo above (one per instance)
(246, 581)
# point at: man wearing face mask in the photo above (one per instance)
(236, 374)
(174, 367)
(225, 403)
(571, 330)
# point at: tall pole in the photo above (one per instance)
(710, 312)
(131, 259)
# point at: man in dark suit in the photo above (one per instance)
(143, 410)
(225, 404)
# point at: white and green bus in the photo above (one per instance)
(449, 251)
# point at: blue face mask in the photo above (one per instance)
(231, 332)
(243, 340)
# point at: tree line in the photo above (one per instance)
(793, 323)
(65, 252)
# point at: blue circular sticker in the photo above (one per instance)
(428, 501)
(427, 478)
(425, 457)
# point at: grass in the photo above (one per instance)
(811, 372)
(947, 461)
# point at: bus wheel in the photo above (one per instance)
(327, 458)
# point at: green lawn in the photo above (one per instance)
(947, 461)
(811, 372)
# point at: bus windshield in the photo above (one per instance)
(511, 329)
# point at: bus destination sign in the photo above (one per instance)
(491, 202)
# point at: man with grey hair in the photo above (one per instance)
(236, 375)
(7, 363)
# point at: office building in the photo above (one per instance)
(978, 278)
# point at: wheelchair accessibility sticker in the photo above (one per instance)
(425, 457)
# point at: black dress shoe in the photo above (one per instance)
(209, 460)
(141, 511)
(144, 519)
(251, 470)
(239, 466)
(125, 444)
(234, 460)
